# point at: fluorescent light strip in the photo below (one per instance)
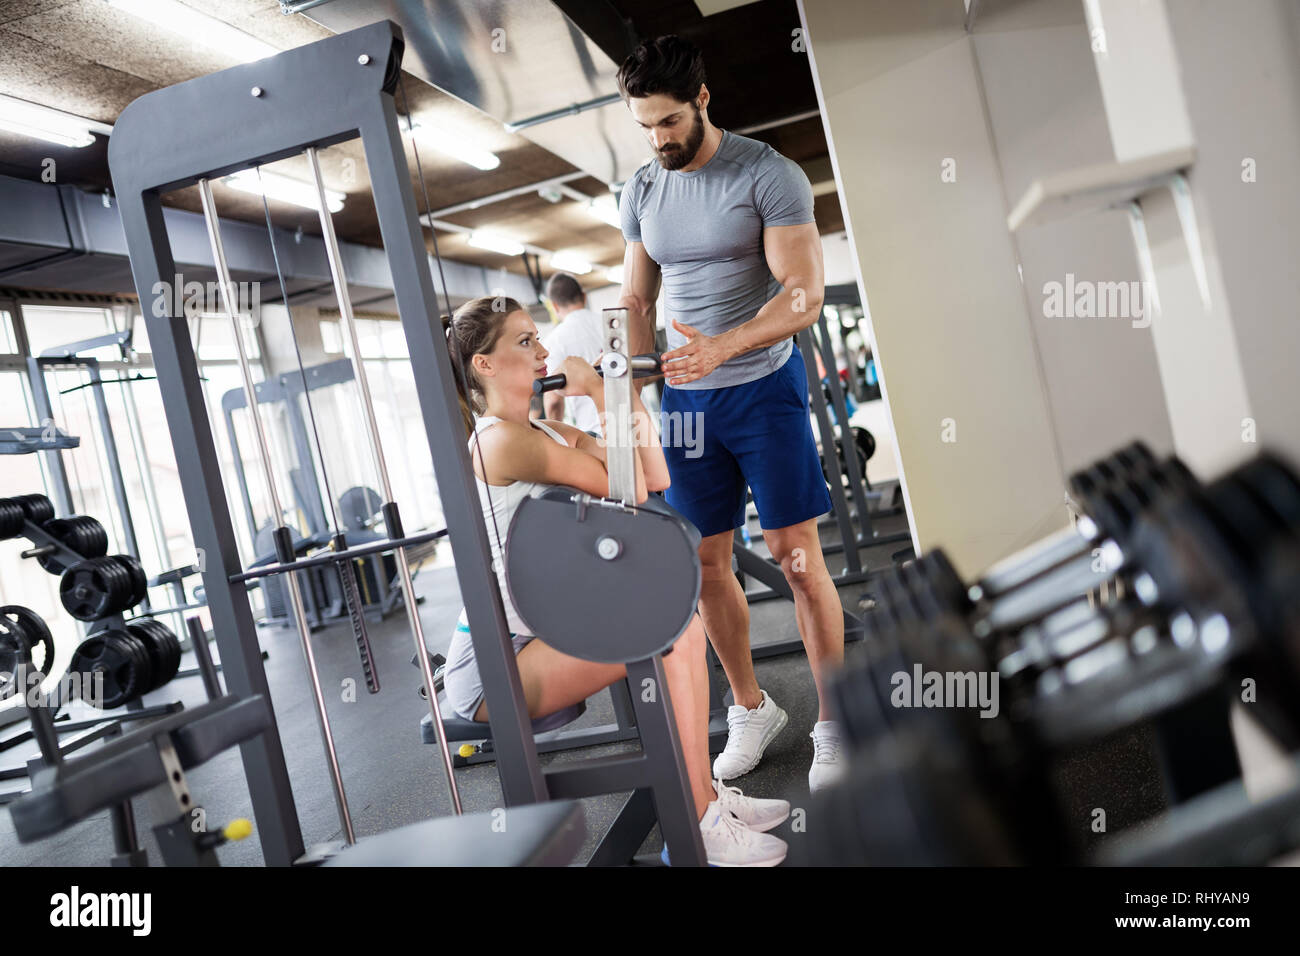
(53, 126)
(197, 28)
(457, 147)
(494, 242)
(284, 189)
(570, 262)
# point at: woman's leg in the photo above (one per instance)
(552, 681)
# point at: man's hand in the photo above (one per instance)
(697, 358)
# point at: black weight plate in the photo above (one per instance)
(38, 635)
(15, 652)
(123, 582)
(80, 533)
(11, 518)
(866, 443)
(140, 656)
(104, 652)
(163, 648)
(358, 507)
(37, 509)
(94, 589)
(139, 581)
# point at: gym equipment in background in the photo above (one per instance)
(323, 588)
(72, 357)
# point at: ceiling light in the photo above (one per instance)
(605, 208)
(495, 243)
(198, 27)
(275, 186)
(53, 126)
(456, 147)
(570, 262)
(614, 274)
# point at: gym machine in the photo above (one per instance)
(1167, 600)
(299, 102)
(359, 507)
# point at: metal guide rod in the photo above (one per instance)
(620, 446)
(386, 487)
(295, 591)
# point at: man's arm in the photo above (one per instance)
(640, 292)
(794, 255)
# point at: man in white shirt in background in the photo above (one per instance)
(577, 333)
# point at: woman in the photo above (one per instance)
(499, 357)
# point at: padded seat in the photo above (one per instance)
(458, 728)
(538, 834)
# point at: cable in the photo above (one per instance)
(452, 341)
(336, 524)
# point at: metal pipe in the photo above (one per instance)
(295, 590)
(203, 657)
(503, 195)
(291, 8)
(386, 488)
(571, 110)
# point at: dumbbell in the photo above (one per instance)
(1019, 568)
(22, 633)
(99, 587)
(1008, 598)
(643, 366)
(131, 662)
(1216, 574)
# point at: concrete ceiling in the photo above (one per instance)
(87, 58)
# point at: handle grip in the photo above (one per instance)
(643, 366)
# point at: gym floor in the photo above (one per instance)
(392, 779)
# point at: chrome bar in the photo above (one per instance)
(295, 590)
(386, 488)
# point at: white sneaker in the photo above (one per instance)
(728, 842)
(828, 763)
(748, 734)
(756, 813)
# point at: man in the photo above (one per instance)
(578, 333)
(727, 223)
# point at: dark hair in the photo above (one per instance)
(475, 329)
(563, 289)
(668, 65)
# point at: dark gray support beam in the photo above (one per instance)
(316, 95)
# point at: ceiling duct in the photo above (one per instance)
(518, 62)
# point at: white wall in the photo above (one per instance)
(899, 91)
(1046, 114)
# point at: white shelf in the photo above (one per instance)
(1093, 188)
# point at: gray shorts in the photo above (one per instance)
(460, 677)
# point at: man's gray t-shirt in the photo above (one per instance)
(705, 230)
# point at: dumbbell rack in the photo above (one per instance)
(98, 728)
(1208, 576)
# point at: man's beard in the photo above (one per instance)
(682, 155)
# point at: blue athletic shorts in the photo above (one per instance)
(718, 440)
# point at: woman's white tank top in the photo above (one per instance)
(499, 503)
